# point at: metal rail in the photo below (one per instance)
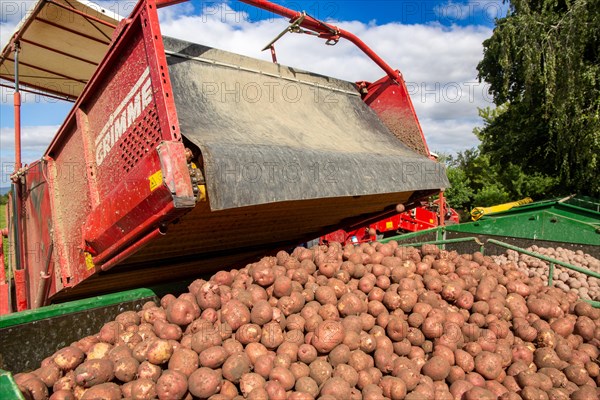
(545, 258)
(552, 261)
(447, 241)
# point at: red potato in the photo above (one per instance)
(284, 376)
(48, 374)
(464, 360)
(159, 351)
(228, 390)
(204, 382)
(235, 366)
(147, 370)
(262, 273)
(327, 336)
(437, 368)
(251, 381)
(94, 372)
(68, 358)
(307, 353)
(184, 361)
(320, 371)
(576, 374)
(253, 351)
(337, 388)
(307, 385)
(264, 365)
(248, 333)
(31, 386)
(143, 389)
(206, 336)
(167, 331)
(67, 382)
(235, 313)
(213, 357)
(64, 395)
(272, 335)
(106, 391)
(368, 322)
(489, 365)
(275, 390)
(172, 385)
(109, 332)
(98, 351)
(479, 393)
(393, 388)
(126, 369)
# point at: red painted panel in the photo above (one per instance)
(38, 233)
(391, 101)
(104, 186)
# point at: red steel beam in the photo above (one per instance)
(17, 106)
(5, 305)
(21, 289)
(132, 249)
(326, 31)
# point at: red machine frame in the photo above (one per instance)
(67, 243)
(422, 217)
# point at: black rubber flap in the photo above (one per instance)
(270, 133)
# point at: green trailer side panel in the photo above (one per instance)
(8, 387)
(27, 337)
(90, 303)
(573, 223)
(556, 222)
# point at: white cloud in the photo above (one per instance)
(438, 63)
(34, 141)
(33, 138)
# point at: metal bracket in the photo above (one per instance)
(294, 27)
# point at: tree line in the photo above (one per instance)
(542, 138)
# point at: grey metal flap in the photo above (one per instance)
(270, 133)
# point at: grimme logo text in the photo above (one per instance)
(124, 116)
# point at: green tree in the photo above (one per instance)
(543, 66)
(460, 193)
(494, 193)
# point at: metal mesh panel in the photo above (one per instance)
(426, 237)
(491, 249)
(143, 138)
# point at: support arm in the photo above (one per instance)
(325, 31)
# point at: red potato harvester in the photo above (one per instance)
(159, 173)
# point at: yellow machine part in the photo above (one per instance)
(479, 212)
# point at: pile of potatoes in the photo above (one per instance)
(587, 287)
(375, 321)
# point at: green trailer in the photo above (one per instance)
(27, 337)
(572, 223)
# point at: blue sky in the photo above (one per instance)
(436, 45)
